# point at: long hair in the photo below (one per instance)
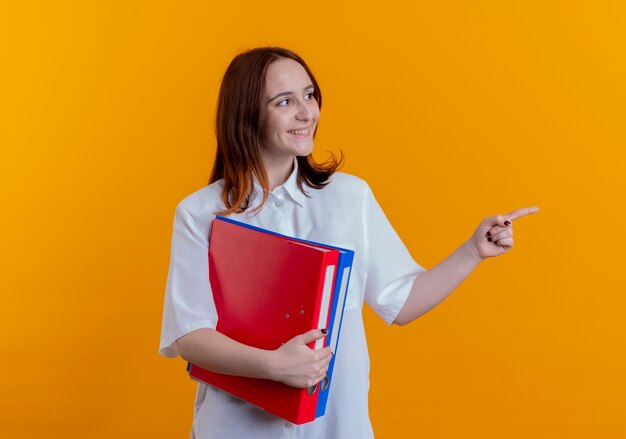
(238, 157)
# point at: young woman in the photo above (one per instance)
(264, 175)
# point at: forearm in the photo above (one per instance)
(216, 352)
(432, 286)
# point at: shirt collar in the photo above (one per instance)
(290, 186)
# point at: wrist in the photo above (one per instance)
(470, 252)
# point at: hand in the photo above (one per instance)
(494, 235)
(296, 364)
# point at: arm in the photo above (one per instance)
(432, 286)
(493, 237)
(294, 363)
(213, 351)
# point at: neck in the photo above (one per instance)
(278, 171)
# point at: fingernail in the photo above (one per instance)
(324, 331)
(507, 223)
(488, 233)
(489, 239)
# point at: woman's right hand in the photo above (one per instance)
(296, 364)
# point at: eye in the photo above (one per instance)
(310, 96)
(283, 102)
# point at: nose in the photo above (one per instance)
(305, 112)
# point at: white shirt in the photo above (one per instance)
(344, 214)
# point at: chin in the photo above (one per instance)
(303, 151)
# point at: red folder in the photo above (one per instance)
(268, 289)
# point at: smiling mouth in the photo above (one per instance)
(300, 133)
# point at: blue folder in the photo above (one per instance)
(340, 290)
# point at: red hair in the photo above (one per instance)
(238, 158)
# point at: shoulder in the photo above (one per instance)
(345, 188)
(204, 202)
(347, 184)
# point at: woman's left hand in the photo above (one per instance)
(494, 235)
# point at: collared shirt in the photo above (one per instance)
(344, 214)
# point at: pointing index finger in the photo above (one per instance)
(518, 213)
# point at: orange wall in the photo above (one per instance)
(452, 111)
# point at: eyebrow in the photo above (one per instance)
(286, 93)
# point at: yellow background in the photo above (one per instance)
(452, 111)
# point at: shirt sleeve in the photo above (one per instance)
(189, 301)
(390, 268)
